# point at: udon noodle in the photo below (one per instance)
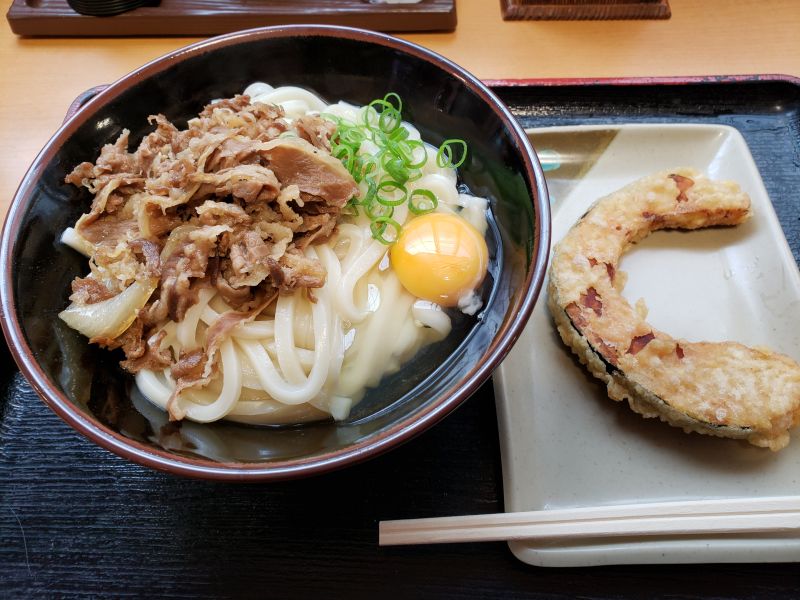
(308, 356)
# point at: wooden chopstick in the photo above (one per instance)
(696, 517)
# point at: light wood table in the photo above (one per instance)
(40, 77)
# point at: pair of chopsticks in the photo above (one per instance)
(697, 517)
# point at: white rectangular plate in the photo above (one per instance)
(564, 442)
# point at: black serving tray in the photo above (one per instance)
(78, 521)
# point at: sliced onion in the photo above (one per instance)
(109, 318)
(76, 241)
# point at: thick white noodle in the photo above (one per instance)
(186, 330)
(440, 185)
(295, 101)
(275, 385)
(284, 340)
(153, 388)
(431, 315)
(158, 389)
(257, 330)
(312, 359)
(258, 88)
(432, 168)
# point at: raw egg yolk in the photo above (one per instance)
(440, 257)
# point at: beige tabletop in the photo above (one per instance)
(40, 77)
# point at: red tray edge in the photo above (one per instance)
(658, 80)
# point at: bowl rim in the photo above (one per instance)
(401, 431)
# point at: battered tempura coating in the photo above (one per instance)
(724, 389)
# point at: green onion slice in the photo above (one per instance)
(427, 202)
(395, 167)
(391, 167)
(390, 187)
(444, 157)
(378, 229)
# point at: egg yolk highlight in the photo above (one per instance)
(440, 257)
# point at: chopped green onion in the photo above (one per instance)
(413, 145)
(389, 120)
(363, 166)
(391, 166)
(372, 190)
(444, 158)
(419, 208)
(376, 210)
(391, 187)
(392, 96)
(352, 137)
(395, 167)
(346, 155)
(399, 134)
(378, 228)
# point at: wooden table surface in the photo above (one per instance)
(45, 554)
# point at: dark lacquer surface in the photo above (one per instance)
(77, 521)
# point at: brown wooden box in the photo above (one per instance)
(211, 17)
(585, 9)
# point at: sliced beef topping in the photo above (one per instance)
(296, 271)
(228, 201)
(222, 213)
(297, 162)
(88, 290)
(149, 251)
(246, 182)
(316, 130)
(152, 358)
(190, 365)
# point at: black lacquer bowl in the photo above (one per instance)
(84, 384)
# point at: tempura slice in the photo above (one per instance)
(724, 389)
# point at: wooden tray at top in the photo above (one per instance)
(585, 9)
(211, 17)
